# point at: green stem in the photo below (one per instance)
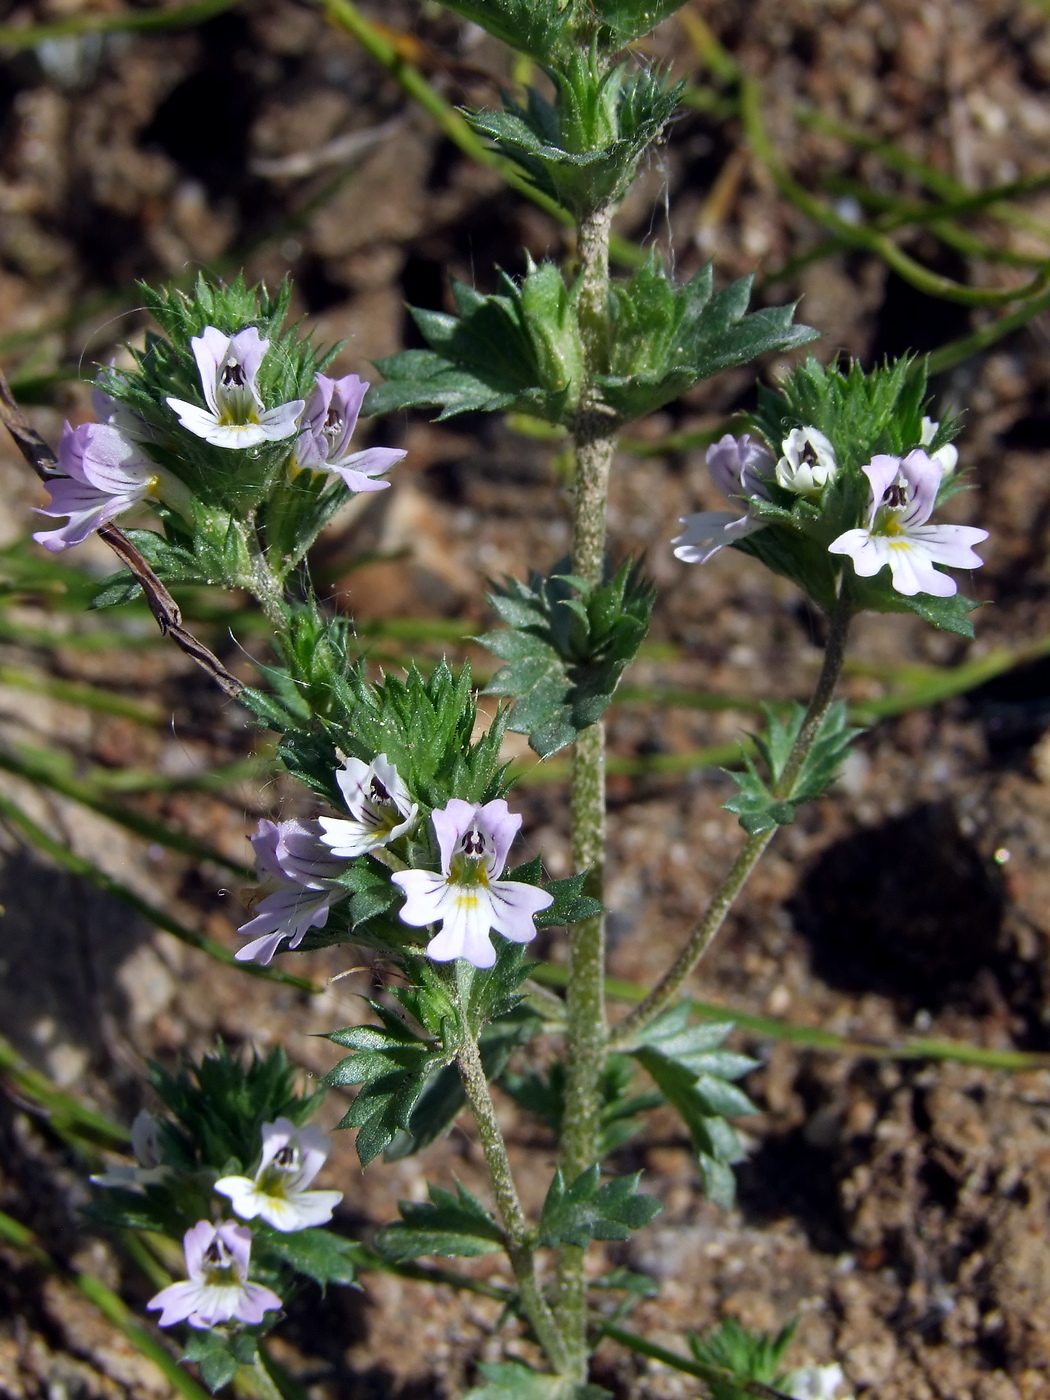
(722, 900)
(516, 1229)
(586, 1025)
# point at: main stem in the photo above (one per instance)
(515, 1226)
(586, 1025)
(703, 934)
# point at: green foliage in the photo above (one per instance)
(538, 28)
(218, 1356)
(861, 414)
(518, 349)
(443, 1097)
(424, 725)
(588, 1210)
(318, 1254)
(221, 1104)
(750, 1356)
(392, 1064)
(566, 645)
(584, 150)
(664, 340)
(511, 1380)
(695, 1076)
(759, 803)
(544, 1095)
(448, 1226)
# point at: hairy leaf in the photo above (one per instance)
(588, 1210)
(448, 1226)
(319, 1254)
(511, 1380)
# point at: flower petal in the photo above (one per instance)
(195, 1243)
(501, 825)
(177, 1302)
(281, 422)
(514, 906)
(426, 894)
(951, 544)
(451, 822)
(255, 1301)
(209, 350)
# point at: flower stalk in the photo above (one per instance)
(516, 1227)
(714, 916)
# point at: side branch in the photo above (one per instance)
(722, 900)
(161, 604)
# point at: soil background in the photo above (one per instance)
(899, 1209)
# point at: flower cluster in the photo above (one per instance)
(467, 897)
(902, 494)
(108, 471)
(217, 1289)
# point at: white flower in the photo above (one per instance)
(291, 1158)
(235, 417)
(948, 455)
(903, 494)
(145, 1144)
(740, 469)
(217, 1289)
(808, 462)
(814, 1383)
(468, 898)
(302, 873)
(379, 804)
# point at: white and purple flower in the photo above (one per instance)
(217, 1289)
(948, 455)
(379, 804)
(235, 416)
(903, 495)
(328, 424)
(468, 898)
(302, 872)
(808, 462)
(740, 469)
(106, 474)
(291, 1158)
(145, 1146)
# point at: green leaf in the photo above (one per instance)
(757, 803)
(545, 1097)
(213, 1354)
(450, 1226)
(749, 1356)
(588, 1210)
(319, 1254)
(510, 1380)
(693, 1074)
(534, 27)
(518, 349)
(566, 653)
(392, 1065)
(628, 20)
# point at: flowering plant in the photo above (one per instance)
(230, 430)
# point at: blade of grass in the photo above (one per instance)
(860, 236)
(816, 1038)
(105, 1301)
(17, 37)
(50, 769)
(59, 1106)
(76, 865)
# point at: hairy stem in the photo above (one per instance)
(515, 1226)
(586, 1026)
(722, 900)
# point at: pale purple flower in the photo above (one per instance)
(740, 469)
(808, 462)
(106, 474)
(217, 1289)
(328, 424)
(379, 804)
(302, 872)
(235, 417)
(145, 1145)
(468, 898)
(291, 1158)
(903, 494)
